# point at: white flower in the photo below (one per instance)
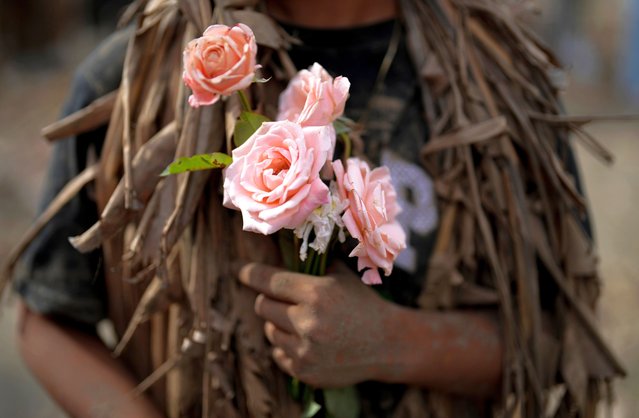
(323, 221)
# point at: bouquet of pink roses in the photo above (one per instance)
(281, 175)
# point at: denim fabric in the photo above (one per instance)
(52, 277)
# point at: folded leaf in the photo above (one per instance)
(198, 162)
(246, 126)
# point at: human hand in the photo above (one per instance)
(326, 331)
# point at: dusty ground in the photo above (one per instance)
(28, 100)
(31, 99)
(613, 192)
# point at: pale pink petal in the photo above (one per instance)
(202, 99)
(318, 196)
(313, 98)
(371, 277)
(395, 234)
(251, 223)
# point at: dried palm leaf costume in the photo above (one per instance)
(511, 229)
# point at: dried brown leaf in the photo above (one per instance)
(84, 120)
(267, 32)
(471, 134)
(152, 158)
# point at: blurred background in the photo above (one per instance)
(42, 41)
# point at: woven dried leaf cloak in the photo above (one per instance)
(509, 211)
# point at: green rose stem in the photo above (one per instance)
(296, 260)
(315, 265)
(245, 103)
(348, 146)
(323, 262)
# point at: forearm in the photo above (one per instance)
(78, 371)
(454, 352)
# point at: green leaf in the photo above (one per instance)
(246, 126)
(197, 163)
(243, 131)
(311, 409)
(342, 403)
(340, 126)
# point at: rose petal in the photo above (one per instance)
(371, 277)
(220, 62)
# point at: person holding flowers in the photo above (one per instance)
(357, 223)
(274, 180)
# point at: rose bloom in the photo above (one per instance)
(313, 97)
(218, 63)
(274, 178)
(370, 216)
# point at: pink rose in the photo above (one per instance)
(313, 98)
(274, 178)
(220, 62)
(370, 216)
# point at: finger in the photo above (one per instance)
(283, 361)
(282, 339)
(276, 283)
(279, 313)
